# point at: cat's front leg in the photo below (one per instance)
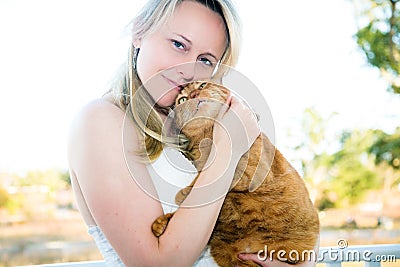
(182, 194)
(160, 224)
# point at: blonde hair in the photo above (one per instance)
(138, 104)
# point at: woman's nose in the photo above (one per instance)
(187, 71)
(193, 71)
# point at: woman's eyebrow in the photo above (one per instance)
(211, 55)
(183, 37)
(190, 42)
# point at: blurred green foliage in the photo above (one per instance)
(386, 148)
(378, 37)
(352, 169)
(52, 178)
(18, 192)
(362, 160)
(4, 197)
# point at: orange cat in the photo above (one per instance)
(268, 205)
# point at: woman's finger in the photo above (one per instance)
(225, 107)
(253, 258)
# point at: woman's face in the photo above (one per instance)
(194, 35)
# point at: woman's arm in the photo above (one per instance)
(122, 209)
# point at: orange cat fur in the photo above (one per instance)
(268, 204)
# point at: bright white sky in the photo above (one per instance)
(56, 55)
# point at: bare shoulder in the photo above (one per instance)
(98, 112)
(100, 128)
(100, 116)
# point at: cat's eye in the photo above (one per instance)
(182, 99)
(202, 85)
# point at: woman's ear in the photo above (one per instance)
(136, 43)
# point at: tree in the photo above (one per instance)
(338, 169)
(386, 151)
(52, 178)
(314, 156)
(65, 176)
(386, 148)
(352, 169)
(4, 197)
(378, 37)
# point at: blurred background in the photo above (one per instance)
(329, 71)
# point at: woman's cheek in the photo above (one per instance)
(168, 99)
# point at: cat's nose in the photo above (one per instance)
(195, 93)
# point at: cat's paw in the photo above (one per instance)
(182, 194)
(160, 224)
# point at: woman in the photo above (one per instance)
(107, 172)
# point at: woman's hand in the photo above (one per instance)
(266, 263)
(272, 263)
(236, 124)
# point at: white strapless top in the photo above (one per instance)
(170, 173)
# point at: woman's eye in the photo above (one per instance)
(182, 99)
(206, 61)
(178, 44)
